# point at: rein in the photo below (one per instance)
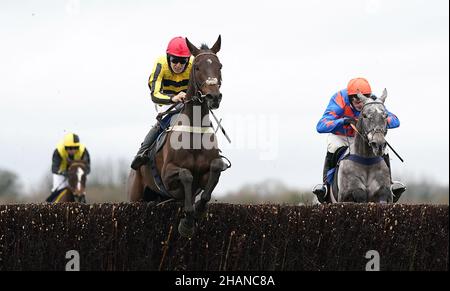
(364, 137)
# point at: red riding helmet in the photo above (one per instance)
(178, 47)
(358, 85)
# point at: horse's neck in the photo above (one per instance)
(362, 148)
(193, 110)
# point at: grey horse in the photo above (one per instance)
(364, 176)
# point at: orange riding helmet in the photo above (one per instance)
(360, 85)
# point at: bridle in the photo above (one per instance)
(199, 96)
(364, 134)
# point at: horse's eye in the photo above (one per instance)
(364, 115)
(196, 68)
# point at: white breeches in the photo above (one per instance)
(59, 182)
(336, 141)
(162, 108)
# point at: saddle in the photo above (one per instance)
(338, 156)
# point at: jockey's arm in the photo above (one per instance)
(56, 162)
(155, 83)
(332, 119)
(393, 120)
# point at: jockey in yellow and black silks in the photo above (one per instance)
(69, 148)
(168, 84)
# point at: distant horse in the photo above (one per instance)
(363, 176)
(195, 166)
(76, 189)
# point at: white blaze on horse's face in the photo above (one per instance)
(80, 174)
(209, 61)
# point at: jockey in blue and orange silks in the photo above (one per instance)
(342, 111)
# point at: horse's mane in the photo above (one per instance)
(204, 47)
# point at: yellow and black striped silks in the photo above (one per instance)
(60, 147)
(164, 83)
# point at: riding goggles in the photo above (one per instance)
(72, 148)
(179, 60)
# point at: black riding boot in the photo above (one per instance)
(52, 196)
(397, 187)
(321, 190)
(141, 158)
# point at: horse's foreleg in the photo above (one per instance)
(216, 168)
(186, 179)
(359, 195)
(186, 226)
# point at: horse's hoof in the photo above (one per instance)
(185, 229)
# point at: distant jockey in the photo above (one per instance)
(69, 149)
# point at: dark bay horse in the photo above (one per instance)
(364, 176)
(189, 163)
(76, 189)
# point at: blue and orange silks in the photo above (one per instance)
(339, 107)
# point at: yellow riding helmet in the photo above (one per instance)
(71, 140)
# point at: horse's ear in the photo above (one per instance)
(192, 48)
(216, 47)
(383, 96)
(363, 98)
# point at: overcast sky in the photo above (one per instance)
(83, 66)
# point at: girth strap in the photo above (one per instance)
(364, 161)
